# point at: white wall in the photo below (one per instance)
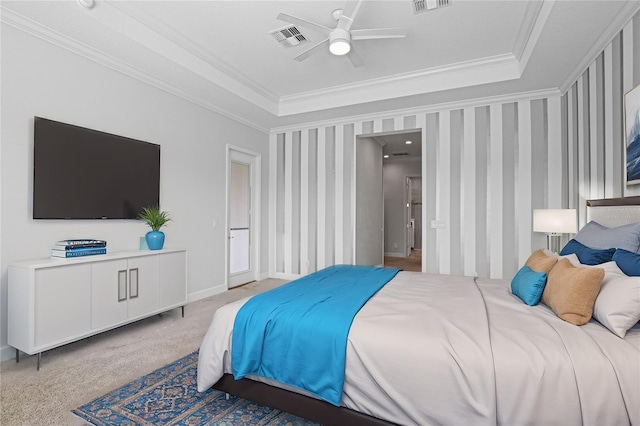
(40, 79)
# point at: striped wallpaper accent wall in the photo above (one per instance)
(485, 167)
(592, 117)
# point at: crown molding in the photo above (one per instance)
(463, 74)
(445, 106)
(193, 56)
(35, 29)
(623, 17)
(524, 35)
(524, 48)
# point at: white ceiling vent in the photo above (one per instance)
(421, 6)
(289, 36)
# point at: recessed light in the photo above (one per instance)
(408, 142)
(386, 156)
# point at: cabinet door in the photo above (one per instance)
(142, 276)
(109, 292)
(173, 278)
(62, 302)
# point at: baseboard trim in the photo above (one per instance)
(202, 294)
(283, 276)
(7, 352)
(264, 276)
(392, 254)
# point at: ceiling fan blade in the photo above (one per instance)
(355, 58)
(302, 22)
(310, 51)
(349, 14)
(377, 33)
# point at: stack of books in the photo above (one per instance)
(77, 248)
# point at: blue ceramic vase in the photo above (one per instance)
(155, 240)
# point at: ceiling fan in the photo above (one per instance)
(339, 38)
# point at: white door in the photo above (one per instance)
(369, 239)
(240, 223)
(409, 224)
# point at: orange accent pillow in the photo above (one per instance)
(540, 262)
(571, 292)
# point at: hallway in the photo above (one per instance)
(411, 263)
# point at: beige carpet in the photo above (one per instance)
(79, 372)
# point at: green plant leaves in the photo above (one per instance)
(154, 217)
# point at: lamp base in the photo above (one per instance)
(554, 242)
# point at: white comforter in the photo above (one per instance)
(435, 349)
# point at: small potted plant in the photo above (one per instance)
(156, 219)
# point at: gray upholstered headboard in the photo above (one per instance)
(614, 211)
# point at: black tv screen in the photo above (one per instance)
(80, 173)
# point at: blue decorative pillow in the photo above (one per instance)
(528, 285)
(597, 236)
(628, 262)
(587, 256)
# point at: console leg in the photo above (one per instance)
(182, 311)
(17, 355)
(39, 359)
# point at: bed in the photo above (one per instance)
(494, 360)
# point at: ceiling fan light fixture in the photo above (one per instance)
(339, 42)
(340, 47)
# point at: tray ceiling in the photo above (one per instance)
(220, 54)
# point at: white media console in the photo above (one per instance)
(52, 302)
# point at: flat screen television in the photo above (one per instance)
(80, 173)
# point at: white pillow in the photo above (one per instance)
(617, 306)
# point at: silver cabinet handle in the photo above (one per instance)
(122, 285)
(133, 283)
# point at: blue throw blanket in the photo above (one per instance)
(297, 334)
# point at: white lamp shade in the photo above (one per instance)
(555, 221)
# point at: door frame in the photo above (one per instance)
(256, 191)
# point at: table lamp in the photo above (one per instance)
(554, 222)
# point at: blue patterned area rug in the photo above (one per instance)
(169, 396)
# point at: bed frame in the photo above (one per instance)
(614, 211)
(302, 406)
(608, 212)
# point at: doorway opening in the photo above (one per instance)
(389, 212)
(243, 219)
